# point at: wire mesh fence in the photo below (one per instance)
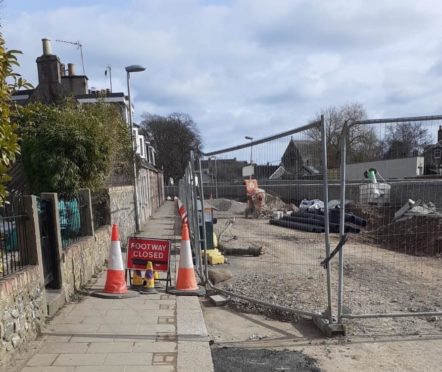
(14, 251)
(271, 222)
(393, 267)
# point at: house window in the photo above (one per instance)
(437, 153)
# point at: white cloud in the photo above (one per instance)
(250, 66)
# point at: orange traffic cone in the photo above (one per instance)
(182, 211)
(115, 276)
(186, 274)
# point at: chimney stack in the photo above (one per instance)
(439, 134)
(71, 69)
(47, 48)
(49, 89)
(62, 69)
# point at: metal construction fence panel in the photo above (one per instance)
(392, 267)
(190, 196)
(273, 247)
(14, 250)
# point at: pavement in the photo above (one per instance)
(152, 332)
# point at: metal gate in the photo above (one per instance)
(48, 247)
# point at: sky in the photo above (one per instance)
(244, 67)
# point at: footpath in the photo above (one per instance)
(155, 332)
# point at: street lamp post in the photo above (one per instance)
(251, 147)
(129, 70)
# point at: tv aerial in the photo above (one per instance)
(79, 46)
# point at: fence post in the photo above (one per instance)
(52, 198)
(326, 214)
(33, 240)
(87, 225)
(342, 221)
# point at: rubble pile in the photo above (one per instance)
(228, 205)
(416, 231)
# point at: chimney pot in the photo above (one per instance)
(47, 48)
(71, 69)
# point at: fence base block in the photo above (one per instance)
(329, 329)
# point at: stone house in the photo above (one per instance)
(301, 159)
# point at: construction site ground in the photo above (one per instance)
(377, 280)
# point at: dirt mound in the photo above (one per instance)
(227, 205)
(415, 235)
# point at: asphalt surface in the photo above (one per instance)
(230, 359)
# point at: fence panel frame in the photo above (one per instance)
(343, 182)
(328, 313)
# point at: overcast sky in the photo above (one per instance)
(245, 67)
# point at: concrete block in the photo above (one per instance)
(218, 300)
(216, 260)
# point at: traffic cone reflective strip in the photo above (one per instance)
(182, 211)
(186, 274)
(115, 276)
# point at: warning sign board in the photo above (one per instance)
(142, 250)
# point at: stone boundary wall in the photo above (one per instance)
(84, 258)
(156, 190)
(22, 310)
(122, 210)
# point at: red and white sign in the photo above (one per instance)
(142, 250)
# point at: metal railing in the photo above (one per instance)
(14, 251)
(71, 213)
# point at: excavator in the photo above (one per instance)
(255, 198)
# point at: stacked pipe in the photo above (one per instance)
(314, 222)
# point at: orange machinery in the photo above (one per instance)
(255, 198)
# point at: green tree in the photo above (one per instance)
(9, 81)
(362, 143)
(174, 137)
(406, 139)
(68, 147)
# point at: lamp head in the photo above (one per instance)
(135, 68)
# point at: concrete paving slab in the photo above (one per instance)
(80, 359)
(48, 369)
(110, 347)
(154, 347)
(63, 348)
(125, 359)
(41, 360)
(100, 369)
(186, 357)
(150, 369)
(155, 333)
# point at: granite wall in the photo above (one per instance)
(84, 258)
(22, 310)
